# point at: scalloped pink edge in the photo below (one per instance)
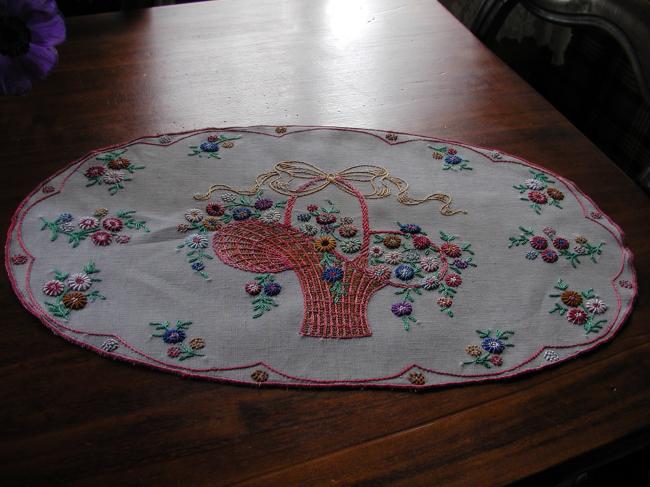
(33, 306)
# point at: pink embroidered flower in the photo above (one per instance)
(393, 257)
(253, 288)
(113, 224)
(451, 249)
(194, 215)
(122, 239)
(430, 283)
(213, 138)
(596, 214)
(101, 238)
(452, 151)
(53, 288)
(549, 232)
(173, 352)
(95, 171)
(19, 259)
(421, 242)
(88, 222)
(625, 284)
(445, 302)
(79, 282)
(496, 360)
(113, 177)
(325, 218)
(561, 243)
(577, 316)
(429, 264)
(595, 306)
(48, 189)
(312, 208)
(534, 184)
(376, 251)
(453, 280)
(215, 209)
(537, 197)
(549, 256)
(538, 243)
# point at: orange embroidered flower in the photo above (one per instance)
(260, 376)
(325, 244)
(280, 130)
(100, 212)
(75, 300)
(227, 144)
(581, 240)
(416, 378)
(119, 163)
(211, 223)
(555, 193)
(571, 298)
(437, 155)
(473, 350)
(197, 343)
(392, 241)
(391, 136)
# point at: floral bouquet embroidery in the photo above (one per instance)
(113, 172)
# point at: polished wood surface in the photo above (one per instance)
(70, 417)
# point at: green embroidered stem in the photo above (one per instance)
(522, 239)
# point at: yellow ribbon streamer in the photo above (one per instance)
(287, 177)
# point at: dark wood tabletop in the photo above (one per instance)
(70, 417)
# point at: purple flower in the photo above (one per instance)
(461, 264)
(198, 266)
(332, 274)
(453, 159)
(272, 288)
(209, 146)
(263, 204)
(402, 308)
(241, 213)
(173, 335)
(410, 228)
(29, 30)
(493, 345)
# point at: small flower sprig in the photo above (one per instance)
(175, 336)
(112, 172)
(101, 228)
(579, 308)
(490, 350)
(210, 147)
(263, 290)
(196, 256)
(451, 159)
(535, 187)
(72, 292)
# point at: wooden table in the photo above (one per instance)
(70, 417)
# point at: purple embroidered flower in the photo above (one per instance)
(328, 229)
(209, 146)
(196, 241)
(532, 255)
(332, 274)
(304, 217)
(580, 249)
(29, 30)
(66, 227)
(493, 345)
(241, 213)
(410, 228)
(452, 159)
(402, 308)
(461, 264)
(64, 218)
(173, 335)
(272, 288)
(198, 266)
(263, 204)
(404, 272)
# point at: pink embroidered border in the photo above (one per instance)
(33, 306)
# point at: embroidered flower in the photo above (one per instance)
(549, 232)
(429, 264)
(392, 241)
(421, 242)
(173, 335)
(549, 256)
(580, 249)
(213, 138)
(452, 151)
(576, 316)
(101, 238)
(404, 272)
(173, 352)
(110, 345)
(196, 241)
(122, 239)
(453, 280)
(626, 284)
(64, 218)
(310, 230)
(581, 240)
(473, 350)
(272, 288)
(351, 246)
(452, 159)
(325, 218)
(410, 228)
(113, 177)
(270, 216)
(113, 224)
(312, 208)
(537, 197)
(228, 197)
(197, 343)
(595, 306)
(183, 227)
(79, 282)
(560, 243)
(332, 274)
(571, 298)
(402, 308)
(194, 215)
(393, 257)
(241, 213)
(48, 189)
(74, 300)
(304, 217)
(451, 249)
(118, 163)
(100, 212)
(346, 220)
(493, 345)
(280, 130)
(445, 303)
(215, 209)
(417, 378)
(260, 375)
(461, 264)
(531, 255)
(348, 231)
(596, 214)
(376, 251)
(429, 283)
(437, 155)
(263, 204)
(538, 243)
(325, 244)
(496, 154)
(496, 360)
(551, 355)
(88, 222)
(228, 144)
(94, 172)
(53, 288)
(19, 259)
(198, 266)
(391, 136)
(380, 270)
(208, 146)
(534, 184)
(165, 139)
(211, 223)
(328, 229)
(555, 193)
(253, 288)
(66, 227)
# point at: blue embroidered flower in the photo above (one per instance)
(332, 274)
(402, 308)
(493, 345)
(404, 272)
(198, 266)
(451, 159)
(173, 335)
(272, 288)
(304, 217)
(532, 255)
(410, 228)
(209, 146)
(263, 204)
(63, 218)
(241, 213)
(461, 264)
(196, 241)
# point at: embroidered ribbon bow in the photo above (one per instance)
(297, 178)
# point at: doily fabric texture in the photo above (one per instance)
(320, 256)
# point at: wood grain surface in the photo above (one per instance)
(69, 417)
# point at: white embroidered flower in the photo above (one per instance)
(196, 241)
(88, 222)
(351, 246)
(551, 355)
(376, 251)
(79, 282)
(430, 283)
(66, 227)
(228, 197)
(534, 184)
(270, 216)
(380, 270)
(194, 215)
(309, 230)
(110, 345)
(595, 306)
(113, 176)
(393, 257)
(580, 249)
(429, 264)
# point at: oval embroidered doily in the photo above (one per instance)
(318, 256)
